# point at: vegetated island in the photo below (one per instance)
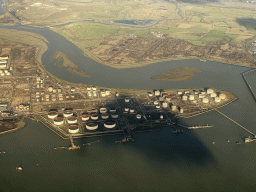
(178, 74)
(63, 60)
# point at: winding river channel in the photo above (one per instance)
(155, 161)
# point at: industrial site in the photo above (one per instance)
(82, 110)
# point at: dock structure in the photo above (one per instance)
(73, 146)
(200, 127)
(247, 83)
(235, 122)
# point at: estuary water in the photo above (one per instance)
(155, 161)
(1, 8)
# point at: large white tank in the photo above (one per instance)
(104, 116)
(181, 110)
(155, 102)
(126, 99)
(92, 126)
(50, 88)
(52, 114)
(110, 124)
(179, 92)
(150, 94)
(85, 117)
(213, 95)
(201, 96)
(131, 110)
(217, 99)
(68, 113)
(205, 100)
(157, 93)
(103, 110)
(174, 107)
(72, 120)
(168, 98)
(191, 97)
(94, 116)
(138, 116)
(73, 128)
(222, 96)
(112, 110)
(58, 121)
(184, 97)
(165, 105)
(114, 116)
(210, 91)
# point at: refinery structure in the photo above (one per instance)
(79, 111)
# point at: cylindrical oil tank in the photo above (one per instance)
(114, 116)
(194, 101)
(165, 105)
(150, 94)
(52, 114)
(161, 117)
(1, 71)
(203, 92)
(201, 96)
(205, 100)
(50, 88)
(127, 100)
(186, 92)
(213, 95)
(37, 86)
(72, 89)
(161, 99)
(103, 110)
(217, 99)
(131, 110)
(209, 91)
(2, 74)
(103, 94)
(174, 107)
(179, 92)
(68, 113)
(94, 110)
(184, 97)
(155, 102)
(222, 96)
(126, 109)
(94, 116)
(112, 110)
(191, 97)
(94, 88)
(58, 121)
(72, 96)
(72, 120)
(89, 93)
(138, 116)
(92, 126)
(94, 93)
(110, 124)
(104, 116)
(73, 128)
(158, 106)
(54, 90)
(107, 92)
(181, 110)
(59, 90)
(157, 93)
(85, 117)
(117, 94)
(89, 88)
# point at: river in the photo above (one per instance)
(155, 161)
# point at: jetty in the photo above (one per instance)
(200, 126)
(235, 122)
(73, 146)
(247, 83)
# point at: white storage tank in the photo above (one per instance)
(213, 95)
(89, 94)
(112, 110)
(191, 97)
(107, 93)
(85, 117)
(205, 100)
(158, 106)
(126, 99)
(50, 88)
(73, 129)
(126, 109)
(217, 99)
(138, 116)
(103, 110)
(157, 93)
(54, 90)
(181, 110)
(201, 96)
(59, 90)
(209, 91)
(89, 88)
(186, 92)
(132, 110)
(179, 92)
(155, 102)
(72, 120)
(110, 124)
(150, 94)
(165, 105)
(104, 116)
(117, 94)
(114, 115)
(92, 126)
(68, 113)
(168, 98)
(94, 93)
(174, 107)
(94, 88)
(222, 96)
(58, 121)
(184, 97)
(52, 114)
(94, 116)
(161, 117)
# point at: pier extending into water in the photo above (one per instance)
(235, 122)
(247, 83)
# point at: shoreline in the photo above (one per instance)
(20, 125)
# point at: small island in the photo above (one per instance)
(62, 60)
(178, 74)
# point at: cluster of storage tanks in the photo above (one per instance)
(202, 95)
(5, 72)
(89, 118)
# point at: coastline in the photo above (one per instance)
(19, 125)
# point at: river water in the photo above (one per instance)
(1, 8)
(155, 161)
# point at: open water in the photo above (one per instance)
(155, 161)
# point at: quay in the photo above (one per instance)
(235, 122)
(73, 146)
(200, 126)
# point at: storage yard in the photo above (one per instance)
(28, 90)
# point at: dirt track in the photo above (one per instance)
(129, 51)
